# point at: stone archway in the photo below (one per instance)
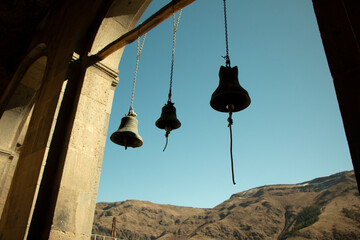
(14, 120)
(66, 27)
(67, 185)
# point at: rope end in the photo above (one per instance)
(166, 136)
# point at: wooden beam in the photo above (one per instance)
(129, 37)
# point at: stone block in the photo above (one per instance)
(30, 166)
(99, 85)
(79, 169)
(85, 213)
(86, 138)
(113, 31)
(10, 120)
(91, 112)
(65, 212)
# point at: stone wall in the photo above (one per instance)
(54, 186)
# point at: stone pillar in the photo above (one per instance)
(15, 119)
(75, 207)
(61, 31)
(13, 126)
(17, 209)
(76, 201)
(9, 155)
(65, 203)
(72, 173)
(339, 24)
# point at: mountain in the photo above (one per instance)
(323, 208)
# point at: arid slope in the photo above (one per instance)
(324, 208)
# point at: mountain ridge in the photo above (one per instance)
(322, 208)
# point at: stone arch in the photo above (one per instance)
(23, 76)
(16, 113)
(66, 24)
(83, 134)
(86, 145)
(49, 197)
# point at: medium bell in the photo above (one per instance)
(229, 93)
(168, 120)
(127, 135)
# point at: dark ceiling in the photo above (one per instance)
(18, 22)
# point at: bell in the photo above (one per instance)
(229, 93)
(168, 120)
(127, 135)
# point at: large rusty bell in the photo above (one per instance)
(168, 119)
(229, 93)
(127, 135)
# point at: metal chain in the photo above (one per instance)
(227, 58)
(139, 49)
(175, 25)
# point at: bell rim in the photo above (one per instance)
(163, 126)
(222, 108)
(136, 141)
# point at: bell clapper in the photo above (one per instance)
(125, 143)
(230, 121)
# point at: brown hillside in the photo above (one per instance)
(324, 208)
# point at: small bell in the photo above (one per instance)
(168, 120)
(229, 92)
(127, 135)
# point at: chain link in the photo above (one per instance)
(175, 26)
(139, 49)
(227, 58)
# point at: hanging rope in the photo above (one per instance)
(139, 49)
(166, 136)
(229, 108)
(230, 121)
(175, 26)
(227, 58)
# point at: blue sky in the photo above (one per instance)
(291, 132)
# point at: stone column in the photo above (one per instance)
(61, 31)
(14, 217)
(15, 119)
(339, 24)
(65, 203)
(78, 142)
(75, 206)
